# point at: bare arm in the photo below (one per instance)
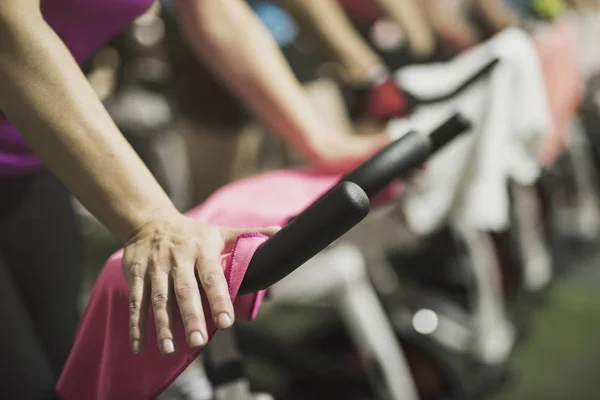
(232, 40)
(47, 97)
(447, 23)
(497, 13)
(410, 17)
(326, 21)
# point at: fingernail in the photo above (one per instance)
(196, 339)
(135, 346)
(167, 346)
(224, 321)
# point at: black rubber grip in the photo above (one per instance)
(403, 156)
(323, 222)
(449, 130)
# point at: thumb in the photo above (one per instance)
(231, 234)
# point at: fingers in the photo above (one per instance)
(187, 293)
(214, 284)
(165, 273)
(230, 235)
(135, 272)
(161, 301)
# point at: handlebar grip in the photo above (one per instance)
(401, 157)
(448, 131)
(323, 222)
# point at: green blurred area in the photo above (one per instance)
(560, 359)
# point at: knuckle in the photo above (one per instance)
(153, 273)
(210, 279)
(219, 300)
(190, 320)
(159, 300)
(135, 268)
(184, 290)
(132, 269)
(135, 332)
(163, 332)
(137, 283)
(134, 305)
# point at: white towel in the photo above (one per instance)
(510, 112)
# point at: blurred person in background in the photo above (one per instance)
(359, 68)
(58, 127)
(366, 75)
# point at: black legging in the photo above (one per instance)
(40, 280)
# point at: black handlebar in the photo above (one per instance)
(342, 207)
(331, 216)
(400, 158)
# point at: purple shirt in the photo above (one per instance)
(84, 26)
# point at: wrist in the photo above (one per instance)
(366, 74)
(153, 216)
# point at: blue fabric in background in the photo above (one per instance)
(278, 21)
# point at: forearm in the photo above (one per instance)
(445, 20)
(46, 96)
(498, 14)
(232, 41)
(326, 21)
(409, 16)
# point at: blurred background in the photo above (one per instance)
(196, 137)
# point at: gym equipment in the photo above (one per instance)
(99, 365)
(466, 362)
(339, 276)
(100, 344)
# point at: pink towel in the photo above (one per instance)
(101, 365)
(557, 46)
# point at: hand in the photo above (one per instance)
(342, 152)
(160, 263)
(345, 152)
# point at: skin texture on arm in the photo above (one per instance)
(327, 22)
(231, 40)
(447, 23)
(46, 96)
(411, 18)
(497, 13)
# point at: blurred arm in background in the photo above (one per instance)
(231, 40)
(329, 24)
(376, 96)
(326, 22)
(496, 13)
(448, 23)
(410, 16)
